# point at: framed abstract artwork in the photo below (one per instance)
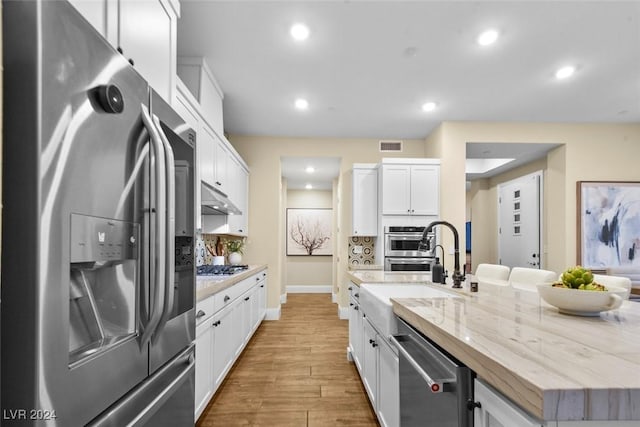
(608, 224)
(309, 231)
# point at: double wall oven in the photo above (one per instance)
(401, 249)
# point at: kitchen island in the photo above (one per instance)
(556, 367)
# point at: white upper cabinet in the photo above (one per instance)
(197, 76)
(410, 189)
(208, 144)
(184, 106)
(221, 160)
(365, 200)
(145, 32)
(239, 176)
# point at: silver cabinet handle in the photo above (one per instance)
(436, 386)
(200, 313)
(159, 263)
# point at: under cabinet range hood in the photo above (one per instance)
(215, 202)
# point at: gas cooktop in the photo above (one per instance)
(219, 270)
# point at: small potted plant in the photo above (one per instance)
(235, 249)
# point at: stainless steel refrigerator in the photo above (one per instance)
(98, 232)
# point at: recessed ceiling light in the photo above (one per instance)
(308, 187)
(299, 32)
(565, 72)
(310, 169)
(302, 104)
(428, 106)
(487, 38)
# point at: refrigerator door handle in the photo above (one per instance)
(159, 261)
(169, 260)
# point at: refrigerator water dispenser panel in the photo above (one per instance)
(102, 285)
(102, 239)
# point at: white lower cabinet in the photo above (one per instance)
(370, 363)
(225, 323)
(204, 366)
(377, 362)
(223, 351)
(495, 410)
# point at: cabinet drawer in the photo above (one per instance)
(205, 309)
(354, 291)
(227, 296)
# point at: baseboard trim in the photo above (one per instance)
(283, 299)
(343, 313)
(309, 289)
(272, 314)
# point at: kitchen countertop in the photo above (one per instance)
(209, 285)
(555, 366)
(379, 276)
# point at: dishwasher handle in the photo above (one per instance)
(435, 385)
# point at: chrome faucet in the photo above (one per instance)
(423, 246)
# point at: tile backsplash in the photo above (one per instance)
(202, 254)
(367, 256)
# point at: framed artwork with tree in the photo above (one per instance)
(309, 232)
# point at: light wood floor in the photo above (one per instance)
(294, 372)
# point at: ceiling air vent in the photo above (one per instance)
(391, 146)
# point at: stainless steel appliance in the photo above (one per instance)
(220, 270)
(401, 250)
(98, 232)
(435, 389)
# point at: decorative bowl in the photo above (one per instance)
(582, 303)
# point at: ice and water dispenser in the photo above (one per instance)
(104, 272)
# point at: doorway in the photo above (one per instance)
(520, 221)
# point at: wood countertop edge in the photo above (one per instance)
(216, 286)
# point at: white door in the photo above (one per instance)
(519, 221)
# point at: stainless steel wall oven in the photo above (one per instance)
(401, 249)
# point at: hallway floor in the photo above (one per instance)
(294, 372)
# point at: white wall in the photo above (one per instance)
(309, 270)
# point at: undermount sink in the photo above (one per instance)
(376, 305)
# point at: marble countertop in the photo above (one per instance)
(379, 276)
(209, 285)
(555, 366)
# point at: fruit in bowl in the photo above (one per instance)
(580, 278)
(576, 293)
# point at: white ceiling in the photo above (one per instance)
(326, 169)
(368, 66)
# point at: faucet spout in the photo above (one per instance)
(457, 276)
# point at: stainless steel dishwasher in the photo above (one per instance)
(434, 387)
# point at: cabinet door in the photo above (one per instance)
(425, 190)
(221, 157)
(207, 152)
(262, 295)
(497, 411)
(396, 184)
(388, 386)
(152, 50)
(184, 108)
(365, 202)
(204, 365)
(238, 223)
(102, 15)
(370, 363)
(356, 334)
(223, 344)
